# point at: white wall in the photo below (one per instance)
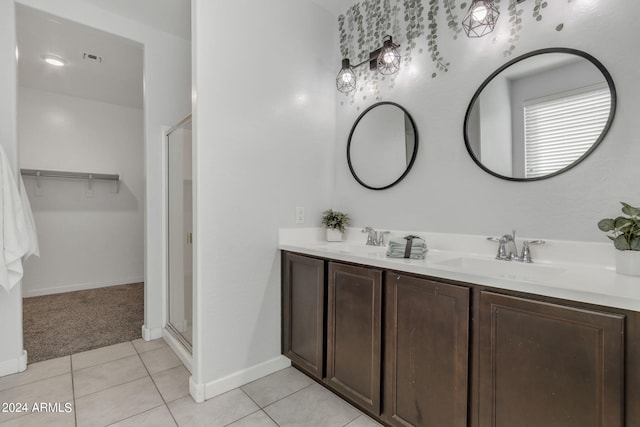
(12, 357)
(167, 85)
(446, 192)
(263, 126)
(85, 242)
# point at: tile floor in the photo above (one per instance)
(143, 384)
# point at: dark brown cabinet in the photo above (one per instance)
(543, 364)
(416, 351)
(354, 333)
(303, 300)
(426, 352)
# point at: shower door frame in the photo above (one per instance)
(175, 333)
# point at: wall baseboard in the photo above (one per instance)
(202, 392)
(149, 334)
(13, 366)
(26, 293)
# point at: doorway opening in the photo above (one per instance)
(80, 119)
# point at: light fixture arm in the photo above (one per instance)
(346, 77)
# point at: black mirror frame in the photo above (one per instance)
(605, 130)
(413, 157)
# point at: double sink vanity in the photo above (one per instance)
(545, 337)
(463, 339)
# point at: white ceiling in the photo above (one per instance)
(171, 16)
(118, 79)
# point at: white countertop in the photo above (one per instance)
(577, 271)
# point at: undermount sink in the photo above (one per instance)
(504, 269)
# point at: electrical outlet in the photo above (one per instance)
(300, 215)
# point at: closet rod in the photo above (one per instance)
(65, 174)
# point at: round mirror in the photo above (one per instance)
(540, 114)
(382, 146)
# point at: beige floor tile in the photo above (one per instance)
(160, 360)
(37, 371)
(172, 383)
(276, 386)
(107, 375)
(313, 406)
(257, 419)
(48, 419)
(144, 346)
(102, 355)
(51, 390)
(363, 421)
(117, 403)
(157, 417)
(218, 411)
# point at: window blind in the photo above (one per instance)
(559, 129)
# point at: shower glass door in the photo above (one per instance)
(180, 233)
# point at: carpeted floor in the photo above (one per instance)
(62, 324)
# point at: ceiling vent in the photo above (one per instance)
(92, 57)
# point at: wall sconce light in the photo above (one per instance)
(481, 18)
(385, 59)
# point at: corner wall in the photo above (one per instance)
(263, 132)
(445, 191)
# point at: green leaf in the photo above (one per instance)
(630, 210)
(635, 244)
(621, 243)
(606, 224)
(622, 223)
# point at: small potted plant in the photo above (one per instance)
(334, 222)
(625, 233)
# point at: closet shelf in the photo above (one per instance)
(67, 174)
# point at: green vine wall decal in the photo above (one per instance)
(432, 38)
(417, 26)
(515, 19)
(452, 19)
(344, 46)
(414, 18)
(540, 4)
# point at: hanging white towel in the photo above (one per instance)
(34, 248)
(17, 231)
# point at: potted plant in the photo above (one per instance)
(335, 222)
(625, 233)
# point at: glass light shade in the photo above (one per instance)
(388, 61)
(346, 79)
(481, 18)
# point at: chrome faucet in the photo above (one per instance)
(375, 238)
(508, 248)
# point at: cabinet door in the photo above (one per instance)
(354, 333)
(548, 365)
(303, 312)
(426, 352)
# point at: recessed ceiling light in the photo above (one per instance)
(54, 60)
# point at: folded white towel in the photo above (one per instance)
(400, 241)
